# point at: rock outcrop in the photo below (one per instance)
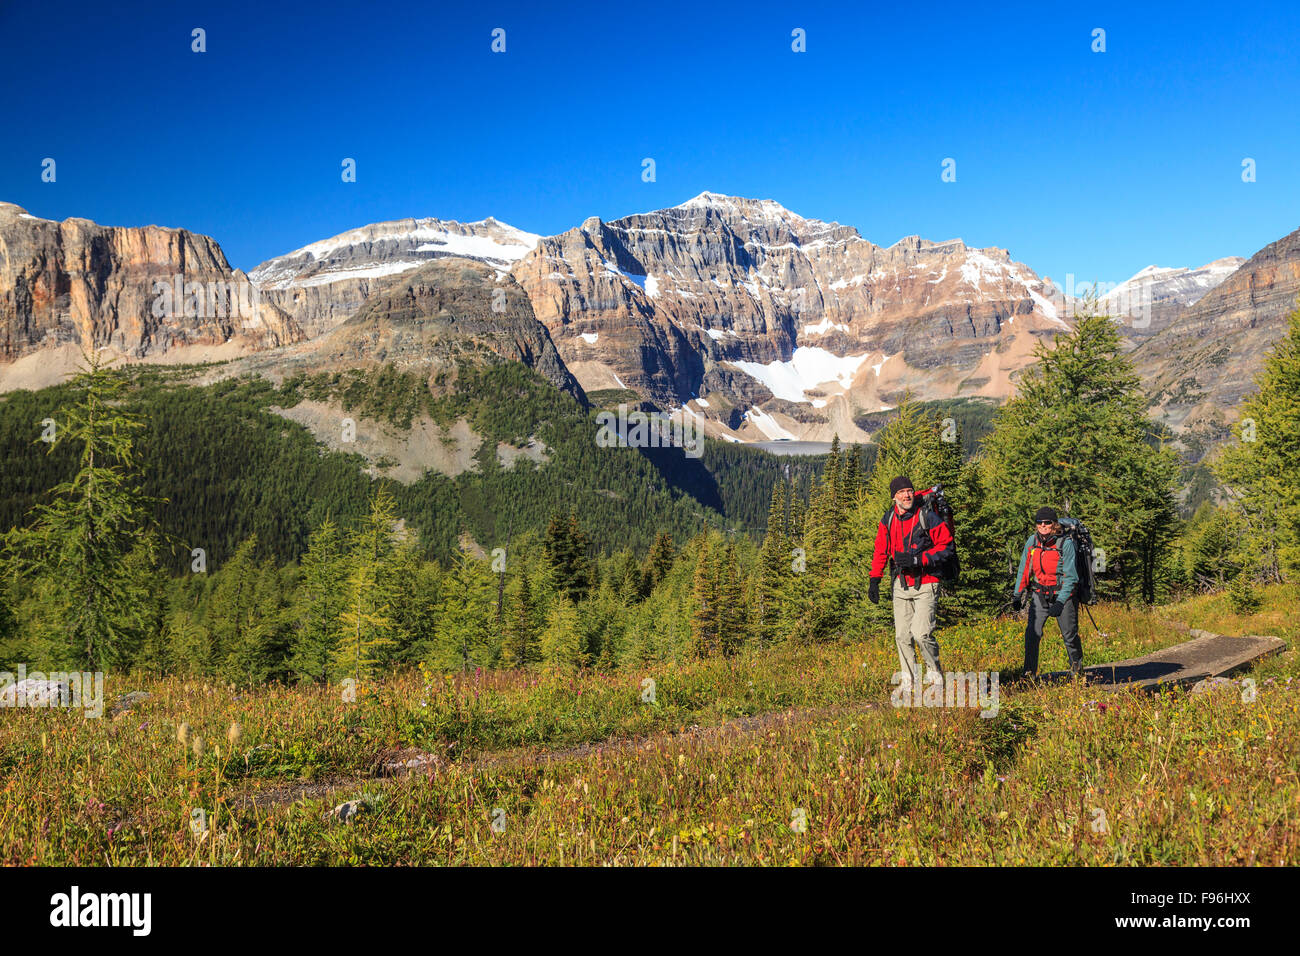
(1198, 369)
(140, 291)
(432, 320)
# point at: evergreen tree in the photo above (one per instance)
(824, 523)
(851, 479)
(1212, 556)
(733, 615)
(704, 615)
(626, 576)
(189, 648)
(419, 590)
(366, 631)
(1259, 470)
(984, 583)
(601, 619)
(246, 619)
(1242, 596)
(320, 602)
(561, 644)
(658, 562)
(796, 508)
(466, 616)
(92, 597)
(521, 647)
(773, 571)
(565, 547)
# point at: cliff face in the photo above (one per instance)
(1198, 369)
(140, 291)
(674, 303)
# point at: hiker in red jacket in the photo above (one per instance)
(915, 547)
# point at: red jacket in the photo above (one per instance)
(905, 529)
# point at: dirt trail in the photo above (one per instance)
(395, 764)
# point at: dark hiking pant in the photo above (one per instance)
(1069, 621)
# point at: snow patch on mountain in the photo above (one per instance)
(824, 326)
(413, 241)
(375, 271)
(808, 367)
(765, 423)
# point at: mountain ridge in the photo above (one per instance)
(761, 322)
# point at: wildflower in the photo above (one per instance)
(234, 734)
(183, 733)
(197, 747)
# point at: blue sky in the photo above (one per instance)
(1095, 164)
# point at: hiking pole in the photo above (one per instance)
(1100, 633)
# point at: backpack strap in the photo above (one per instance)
(1037, 549)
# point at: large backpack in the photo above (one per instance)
(935, 510)
(1084, 555)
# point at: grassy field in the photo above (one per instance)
(786, 756)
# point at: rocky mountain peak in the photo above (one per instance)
(10, 211)
(784, 325)
(323, 283)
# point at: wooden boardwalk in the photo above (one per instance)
(1205, 655)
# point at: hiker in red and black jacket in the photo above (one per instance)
(1048, 570)
(915, 547)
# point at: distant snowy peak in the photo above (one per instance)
(753, 209)
(1157, 285)
(388, 248)
(745, 216)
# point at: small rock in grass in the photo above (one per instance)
(347, 812)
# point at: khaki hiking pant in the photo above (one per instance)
(914, 624)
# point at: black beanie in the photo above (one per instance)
(898, 484)
(1045, 514)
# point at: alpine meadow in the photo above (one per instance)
(530, 436)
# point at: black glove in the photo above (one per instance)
(873, 592)
(1056, 609)
(907, 561)
(1017, 603)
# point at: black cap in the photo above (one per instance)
(898, 484)
(1046, 514)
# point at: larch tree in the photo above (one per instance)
(90, 599)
